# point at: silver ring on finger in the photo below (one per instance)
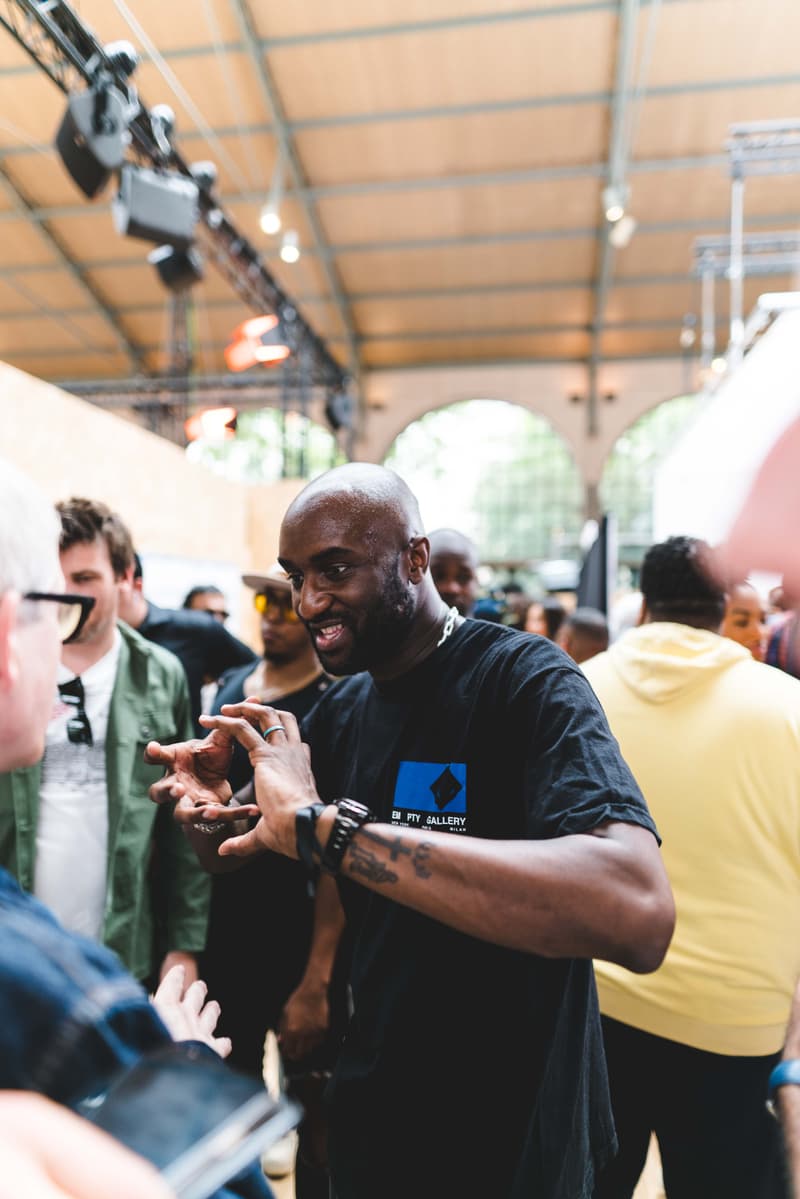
(273, 728)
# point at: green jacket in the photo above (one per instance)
(157, 894)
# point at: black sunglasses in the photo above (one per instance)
(72, 611)
(79, 731)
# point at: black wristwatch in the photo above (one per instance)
(309, 850)
(350, 817)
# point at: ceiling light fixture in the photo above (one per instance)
(688, 334)
(615, 199)
(622, 231)
(290, 246)
(270, 219)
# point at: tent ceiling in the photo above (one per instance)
(451, 156)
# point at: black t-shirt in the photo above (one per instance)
(261, 918)
(484, 1063)
(205, 647)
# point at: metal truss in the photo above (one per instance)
(754, 148)
(55, 37)
(753, 255)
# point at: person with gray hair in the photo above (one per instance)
(70, 1015)
(77, 828)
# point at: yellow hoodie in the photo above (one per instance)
(713, 738)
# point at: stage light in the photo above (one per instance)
(178, 270)
(121, 55)
(159, 206)
(213, 424)
(258, 340)
(162, 122)
(204, 174)
(290, 246)
(93, 136)
(94, 132)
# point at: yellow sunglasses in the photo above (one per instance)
(274, 609)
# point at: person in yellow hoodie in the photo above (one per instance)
(713, 739)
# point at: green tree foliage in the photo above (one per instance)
(268, 447)
(626, 488)
(496, 472)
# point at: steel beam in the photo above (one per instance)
(274, 107)
(442, 24)
(431, 244)
(435, 112)
(410, 335)
(22, 208)
(615, 176)
(593, 170)
(76, 386)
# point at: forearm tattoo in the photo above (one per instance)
(365, 862)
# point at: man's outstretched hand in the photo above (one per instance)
(196, 773)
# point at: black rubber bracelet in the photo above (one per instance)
(305, 828)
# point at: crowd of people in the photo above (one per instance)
(417, 837)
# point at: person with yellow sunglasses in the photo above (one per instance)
(284, 990)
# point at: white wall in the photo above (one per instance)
(702, 483)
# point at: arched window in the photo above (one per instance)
(269, 446)
(626, 488)
(499, 474)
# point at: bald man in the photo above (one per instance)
(491, 842)
(454, 568)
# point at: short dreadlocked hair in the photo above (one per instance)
(676, 584)
(84, 521)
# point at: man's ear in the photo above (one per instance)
(9, 661)
(125, 581)
(644, 615)
(419, 554)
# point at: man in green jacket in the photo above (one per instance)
(78, 829)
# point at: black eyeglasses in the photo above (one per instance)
(79, 731)
(72, 611)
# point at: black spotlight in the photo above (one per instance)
(92, 137)
(93, 134)
(159, 206)
(178, 270)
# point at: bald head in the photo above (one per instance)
(454, 568)
(362, 488)
(353, 547)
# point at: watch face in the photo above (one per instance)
(351, 807)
